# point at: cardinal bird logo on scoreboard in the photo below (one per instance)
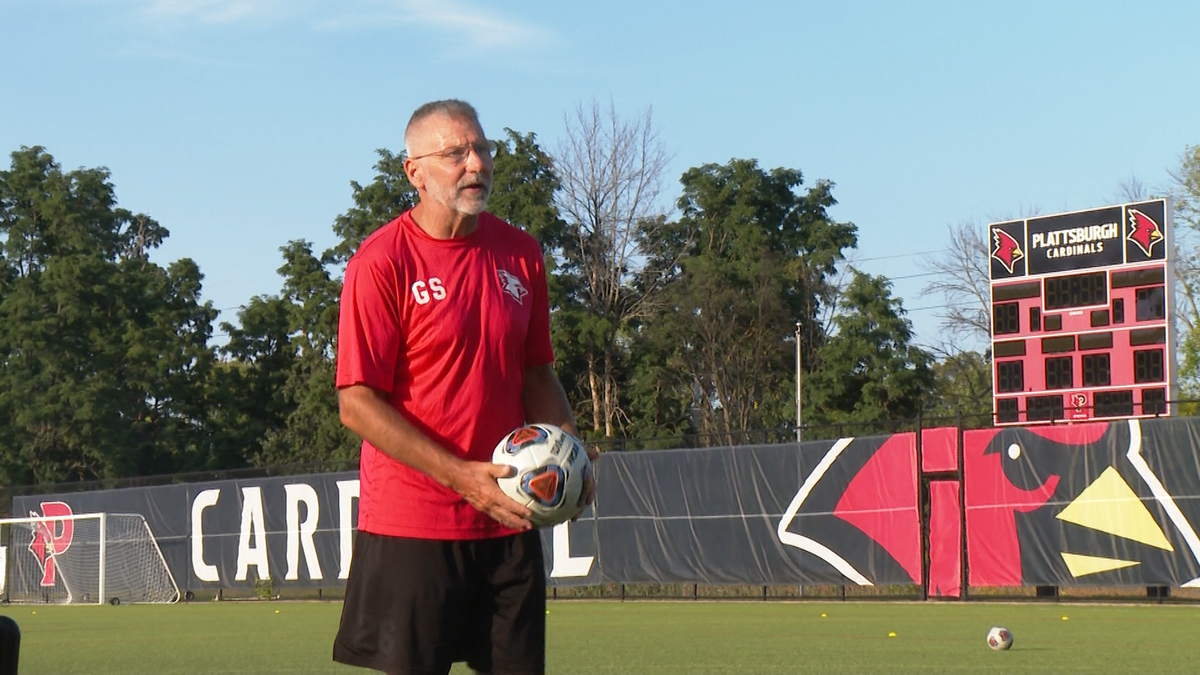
(1007, 250)
(1143, 231)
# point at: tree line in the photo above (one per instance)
(666, 324)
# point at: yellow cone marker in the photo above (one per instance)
(822, 615)
(892, 634)
(1065, 618)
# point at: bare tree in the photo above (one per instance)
(1132, 190)
(962, 280)
(611, 171)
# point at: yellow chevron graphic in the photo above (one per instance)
(1110, 506)
(1080, 565)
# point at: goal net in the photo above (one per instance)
(83, 559)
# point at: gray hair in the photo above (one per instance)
(451, 107)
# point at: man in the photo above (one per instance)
(443, 348)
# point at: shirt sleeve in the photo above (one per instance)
(538, 348)
(369, 333)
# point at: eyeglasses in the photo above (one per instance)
(459, 153)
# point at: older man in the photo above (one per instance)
(443, 348)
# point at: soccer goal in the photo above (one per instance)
(89, 558)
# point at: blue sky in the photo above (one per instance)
(238, 124)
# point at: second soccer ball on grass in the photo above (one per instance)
(999, 638)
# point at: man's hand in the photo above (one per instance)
(476, 482)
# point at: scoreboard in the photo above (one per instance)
(1081, 315)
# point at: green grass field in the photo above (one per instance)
(635, 638)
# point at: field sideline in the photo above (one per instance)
(635, 638)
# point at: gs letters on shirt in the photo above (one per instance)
(424, 291)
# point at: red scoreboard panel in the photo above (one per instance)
(1081, 315)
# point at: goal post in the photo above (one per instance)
(87, 558)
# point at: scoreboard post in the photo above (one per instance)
(1082, 306)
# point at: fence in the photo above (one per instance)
(917, 511)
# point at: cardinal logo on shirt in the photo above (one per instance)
(513, 286)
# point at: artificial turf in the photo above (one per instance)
(643, 637)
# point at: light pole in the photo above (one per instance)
(798, 417)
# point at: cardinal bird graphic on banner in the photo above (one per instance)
(1079, 504)
(856, 511)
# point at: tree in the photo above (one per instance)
(388, 195)
(611, 172)
(312, 431)
(749, 257)
(251, 382)
(962, 278)
(1185, 195)
(104, 358)
(963, 386)
(524, 188)
(963, 281)
(869, 372)
(1186, 188)
(524, 183)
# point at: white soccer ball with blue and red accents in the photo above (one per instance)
(553, 472)
(999, 638)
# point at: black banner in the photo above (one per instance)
(229, 534)
(826, 512)
(1079, 504)
(822, 512)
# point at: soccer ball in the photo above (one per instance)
(554, 473)
(999, 638)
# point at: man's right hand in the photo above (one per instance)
(476, 482)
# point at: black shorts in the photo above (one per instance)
(416, 606)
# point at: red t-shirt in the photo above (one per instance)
(445, 327)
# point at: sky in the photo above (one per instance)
(239, 124)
